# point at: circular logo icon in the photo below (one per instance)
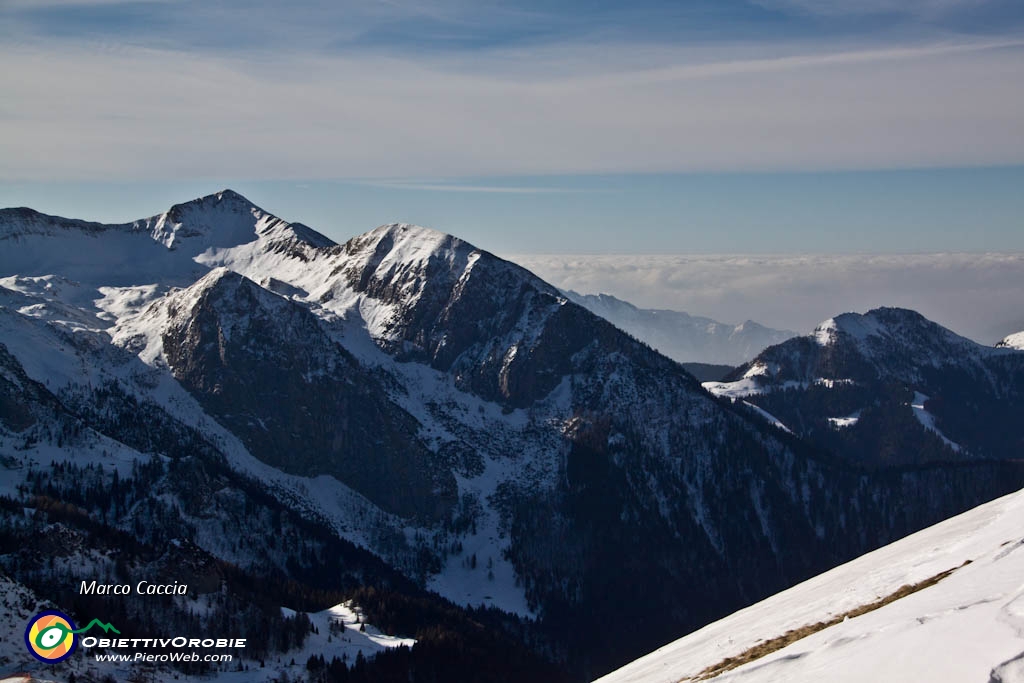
(50, 636)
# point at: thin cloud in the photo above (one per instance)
(159, 114)
(810, 61)
(924, 8)
(41, 4)
(449, 187)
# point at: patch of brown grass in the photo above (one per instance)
(769, 646)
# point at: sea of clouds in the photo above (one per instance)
(980, 296)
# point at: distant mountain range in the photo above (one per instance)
(216, 395)
(683, 337)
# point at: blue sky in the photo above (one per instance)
(904, 211)
(607, 127)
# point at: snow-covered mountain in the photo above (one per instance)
(889, 387)
(683, 337)
(945, 604)
(234, 393)
(1012, 341)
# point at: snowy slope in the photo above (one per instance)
(1013, 341)
(967, 627)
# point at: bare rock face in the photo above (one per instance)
(263, 367)
(503, 333)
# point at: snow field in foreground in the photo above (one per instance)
(968, 626)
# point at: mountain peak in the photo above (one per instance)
(410, 231)
(223, 219)
(21, 221)
(402, 256)
(891, 342)
(228, 194)
(1013, 341)
(225, 196)
(878, 322)
(883, 334)
(216, 280)
(410, 242)
(212, 206)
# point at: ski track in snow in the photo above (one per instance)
(768, 417)
(928, 420)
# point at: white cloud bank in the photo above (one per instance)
(977, 295)
(114, 111)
